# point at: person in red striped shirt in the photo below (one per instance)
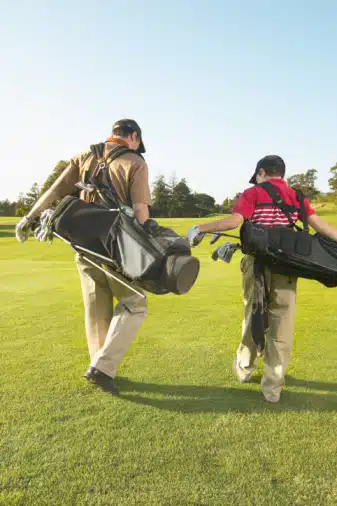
(256, 205)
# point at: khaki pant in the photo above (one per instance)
(110, 330)
(279, 336)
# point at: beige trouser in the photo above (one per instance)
(279, 336)
(110, 331)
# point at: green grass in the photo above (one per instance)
(327, 209)
(183, 432)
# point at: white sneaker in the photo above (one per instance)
(247, 379)
(269, 398)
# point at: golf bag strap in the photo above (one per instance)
(303, 211)
(259, 321)
(118, 151)
(97, 150)
(101, 177)
(86, 172)
(277, 201)
(115, 153)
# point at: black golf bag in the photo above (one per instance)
(155, 258)
(287, 250)
(291, 251)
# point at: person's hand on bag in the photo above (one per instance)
(23, 229)
(194, 236)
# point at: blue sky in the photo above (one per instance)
(215, 85)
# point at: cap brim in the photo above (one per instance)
(141, 148)
(253, 179)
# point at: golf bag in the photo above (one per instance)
(287, 250)
(152, 257)
(291, 251)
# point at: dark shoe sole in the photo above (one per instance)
(102, 381)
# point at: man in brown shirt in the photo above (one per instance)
(110, 331)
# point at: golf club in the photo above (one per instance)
(216, 237)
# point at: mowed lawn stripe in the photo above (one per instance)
(184, 431)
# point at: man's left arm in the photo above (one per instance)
(140, 192)
(196, 234)
(141, 211)
(242, 210)
(64, 184)
(223, 225)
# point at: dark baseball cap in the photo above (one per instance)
(272, 164)
(130, 126)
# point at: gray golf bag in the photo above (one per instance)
(154, 258)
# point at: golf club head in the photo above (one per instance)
(226, 252)
(215, 255)
(214, 238)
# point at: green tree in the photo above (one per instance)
(57, 171)
(333, 178)
(32, 196)
(7, 208)
(161, 196)
(176, 200)
(181, 201)
(20, 211)
(305, 182)
(204, 204)
(20, 206)
(226, 205)
(230, 202)
(171, 188)
(219, 209)
(311, 176)
(26, 201)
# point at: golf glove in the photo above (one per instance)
(194, 236)
(43, 231)
(23, 229)
(226, 251)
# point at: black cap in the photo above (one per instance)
(272, 164)
(130, 126)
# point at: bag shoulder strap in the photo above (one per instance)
(278, 201)
(303, 211)
(118, 151)
(101, 178)
(97, 150)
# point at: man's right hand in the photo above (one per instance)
(194, 236)
(23, 229)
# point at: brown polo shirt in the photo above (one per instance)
(128, 173)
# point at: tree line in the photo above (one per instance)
(26, 201)
(175, 198)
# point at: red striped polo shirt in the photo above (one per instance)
(251, 204)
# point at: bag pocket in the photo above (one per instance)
(288, 240)
(303, 244)
(254, 238)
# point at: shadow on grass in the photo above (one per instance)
(216, 399)
(7, 230)
(290, 381)
(312, 385)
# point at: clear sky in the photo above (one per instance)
(215, 85)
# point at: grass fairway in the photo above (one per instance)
(184, 431)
